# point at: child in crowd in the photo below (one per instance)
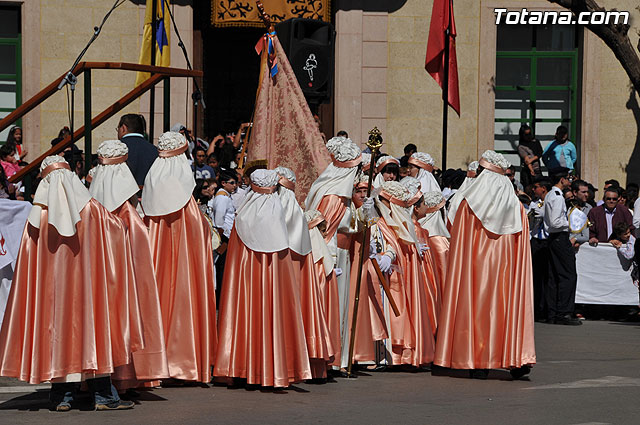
(8, 159)
(7, 190)
(623, 240)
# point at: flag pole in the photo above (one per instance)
(152, 93)
(445, 88)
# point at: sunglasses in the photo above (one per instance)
(611, 199)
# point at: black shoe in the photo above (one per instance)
(479, 374)
(519, 372)
(116, 405)
(340, 373)
(568, 320)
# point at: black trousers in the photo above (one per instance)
(560, 291)
(220, 262)
(540, 266)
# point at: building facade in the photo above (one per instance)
(50, 34)
(543, 75)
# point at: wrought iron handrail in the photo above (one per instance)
(158, 74)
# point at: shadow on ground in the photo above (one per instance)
(39, 400)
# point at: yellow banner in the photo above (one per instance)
(244, 13)
(161, 37)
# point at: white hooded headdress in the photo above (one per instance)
(425, 162)
(112, 184)
(297, 227)
(491, 197)
(337, 178)
(433, 221)
(380, 164)
(399, 215)
(60, 192)
(260, 221)
(169, 183)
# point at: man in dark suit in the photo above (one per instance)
(142, 153)
(607, 215)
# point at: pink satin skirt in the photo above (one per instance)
(328, 286)
(440, 254)
(183, 260)
(370, 323)
(432, 291)
(419, 345)
(73, 304)
(150, 363)
(486, 320)
(319, 343)
(262, 334)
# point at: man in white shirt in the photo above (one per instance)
(560, 290)
(580, 190)
(223, 219)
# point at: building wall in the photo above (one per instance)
(619, 124)
(361, 70)
(55, 31)
(610, 117)
(414, 105)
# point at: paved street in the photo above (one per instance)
(585, 375)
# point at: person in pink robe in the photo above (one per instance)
(411, 334)
(113, 185)
(73, 310)
(180, 241)
(319, 341)
(431, 221)
(262, 332)
(371, 326)
(330, 194)
(486, 321)
(417, 206)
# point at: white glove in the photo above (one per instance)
(424, 248)
(384, 261)
(368, 209)
(368, 203)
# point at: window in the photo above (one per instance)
(11, 63)
(536, 83)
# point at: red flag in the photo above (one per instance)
(441, 17)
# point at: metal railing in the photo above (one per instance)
(158, 74)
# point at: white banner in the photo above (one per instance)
(13, 217)
(604, 277)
